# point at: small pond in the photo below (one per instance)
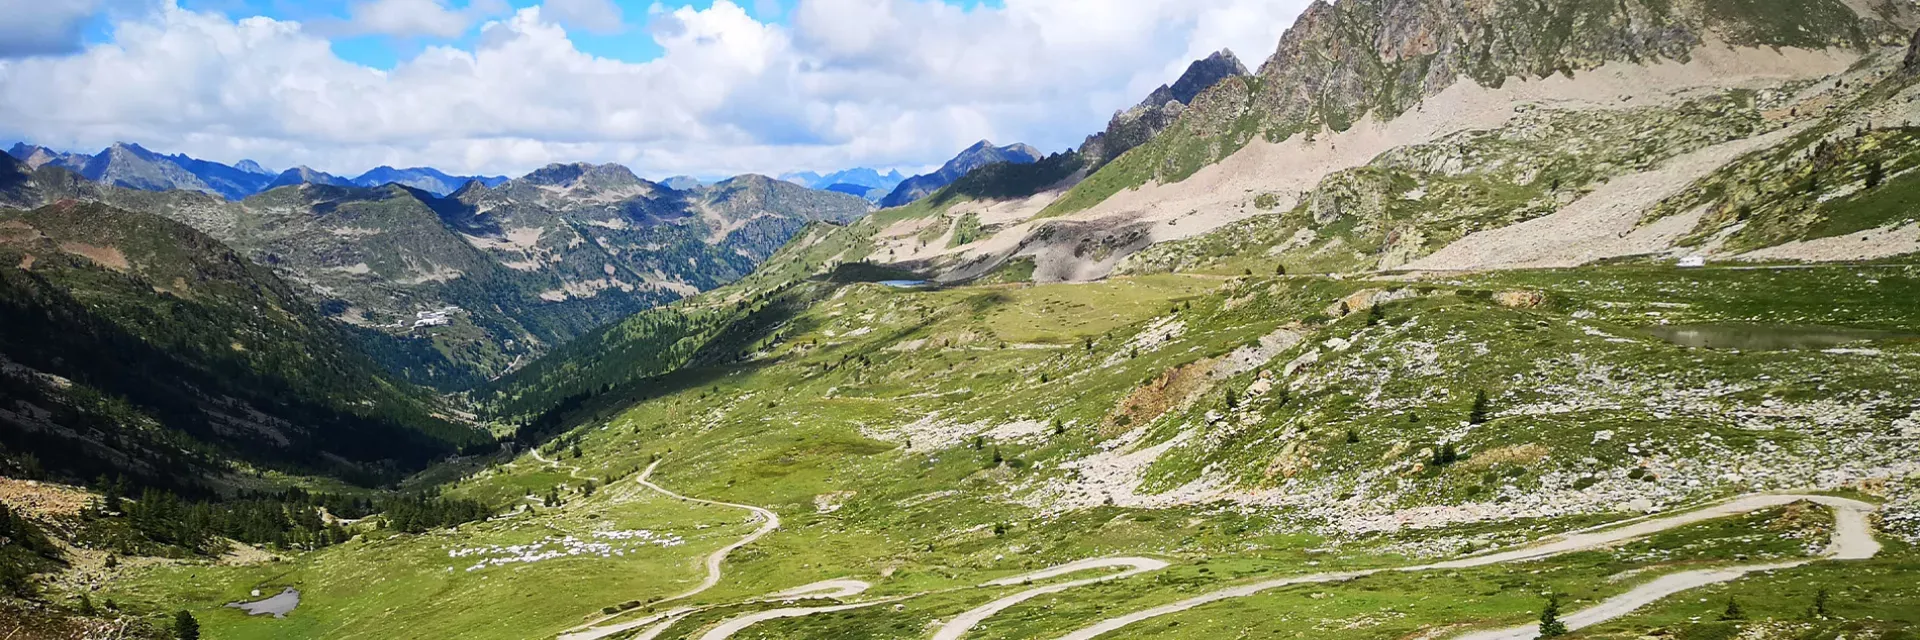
(904, 284)
(278, 606)
(1767, 337)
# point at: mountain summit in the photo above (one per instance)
(1135, 126)
(981, 154)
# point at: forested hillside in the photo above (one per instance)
(138, 346)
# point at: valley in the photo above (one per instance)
(1481, 321)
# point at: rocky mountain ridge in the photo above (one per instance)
(1135, 126)
(981, 154)
(1362, 82)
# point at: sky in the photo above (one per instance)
(709, 88)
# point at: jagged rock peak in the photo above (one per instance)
(1204, 73)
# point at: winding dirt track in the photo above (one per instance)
(736, 625)
(1852, 540)
(967, 621)
(769, 522)
(572, 470)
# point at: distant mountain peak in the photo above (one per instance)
(584, 174)
(250, 166)
(303, 175)
(133, 148)
(471, 188)
(981, 154)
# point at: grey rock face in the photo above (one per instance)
(1135, 126)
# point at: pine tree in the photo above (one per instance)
(110, 501)
(1819, 609)
(86, 605)
(1482, 408)
(1875, 173)
(1375, 314)
(1280, 270)
(185, 627)
(1353, 437)
(1550, 624)
(1733, 611)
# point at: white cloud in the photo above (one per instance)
(593, 16)
(415, 18)
(851, 82)
(42, 27)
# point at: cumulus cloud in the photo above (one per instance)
(42, 27)
(848, 83)
(414, 18)
(592, 16)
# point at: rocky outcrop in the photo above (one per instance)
(1912, 63)
(1135, 126)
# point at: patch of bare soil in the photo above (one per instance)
(1169, 391)
(109, 257)
(43, 499)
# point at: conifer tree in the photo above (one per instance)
(1819, 609)
(1550, 624)
(1482, 408)
(185, 627)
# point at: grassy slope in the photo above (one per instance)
(802, 420)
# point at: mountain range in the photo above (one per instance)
(861, 181)
(529, 263)
(135, 167)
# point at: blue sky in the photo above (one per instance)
(710, 88)
(383, 52)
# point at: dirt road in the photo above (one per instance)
(1852, 540)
